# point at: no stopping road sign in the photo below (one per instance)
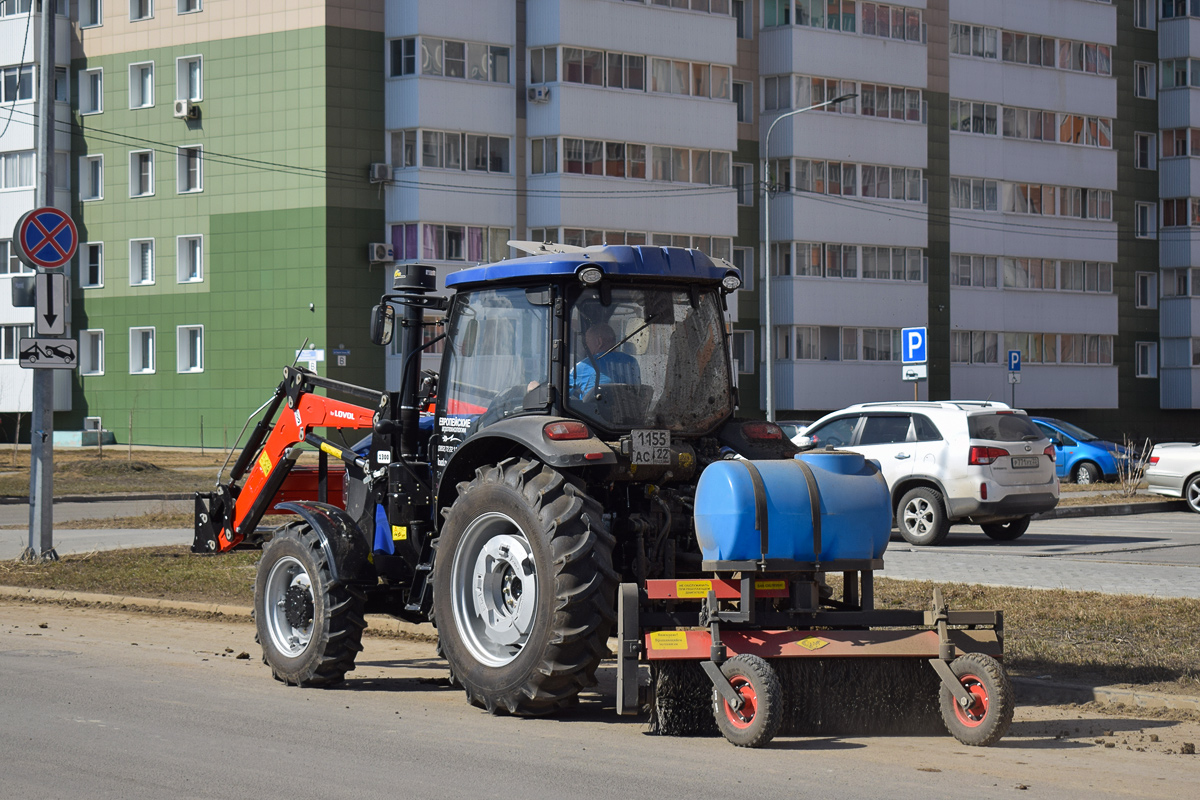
(46, 238)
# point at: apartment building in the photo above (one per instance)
(20, 52)
(221, 154)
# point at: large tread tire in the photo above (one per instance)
(989, 718)
(1007, 531)
(762, 692)
(921, 517)
(1087, 473)
(1191, 493)
(325, 617)
(514, 650)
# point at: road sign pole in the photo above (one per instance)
(41, 436)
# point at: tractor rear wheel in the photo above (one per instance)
(524, 588)
(310, 627)
(991, 710)
(758, 720)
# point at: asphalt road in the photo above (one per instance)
(98, 704)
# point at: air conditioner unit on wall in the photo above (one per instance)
(186, 109)
(381, 173)
(379, 253)
(539, 94)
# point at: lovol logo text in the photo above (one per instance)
(343, 414)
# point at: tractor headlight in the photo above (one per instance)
(731, 282)
(590, 275)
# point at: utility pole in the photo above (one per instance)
(41, 434)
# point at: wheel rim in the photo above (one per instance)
(973, 716)
(289, 606)
(1084, 476)
(494, 589)
(744, 717)
(918, 516)
(1193, 495)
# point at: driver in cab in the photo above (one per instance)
(604, 360)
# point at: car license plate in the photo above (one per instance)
(650, 447)
(1025, 462)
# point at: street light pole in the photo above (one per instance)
(769, 342)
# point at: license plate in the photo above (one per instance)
(650, 447)
(1025, 462)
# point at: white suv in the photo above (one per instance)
(948, 462)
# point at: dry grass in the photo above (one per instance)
(1072, 636)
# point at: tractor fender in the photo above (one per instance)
(520, 436)
(346, 548)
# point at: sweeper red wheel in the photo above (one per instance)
(988, 717)
(757, 721)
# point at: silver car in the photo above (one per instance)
(1174, 471)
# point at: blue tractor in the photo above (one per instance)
(551, 500)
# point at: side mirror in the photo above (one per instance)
(805, 442)
(383, 321)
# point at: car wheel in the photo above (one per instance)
(1006, 531)
(922, 517)
(1087, 473)
(1191, 493)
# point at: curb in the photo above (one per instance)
(1032, 689)
(377, 622)
(1114, 510)
(102, 498)
(1052, 692)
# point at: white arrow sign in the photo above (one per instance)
(50, 289)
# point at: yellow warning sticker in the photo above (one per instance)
(812, 643)
(669, 640)
(333, 451)
(693, 588)
(770, 586)
(264, 463)
(685, 460)
(399, 533)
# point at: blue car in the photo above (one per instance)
(1078, 455)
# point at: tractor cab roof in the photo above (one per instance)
(670, 263)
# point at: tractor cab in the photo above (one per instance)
(621, 338)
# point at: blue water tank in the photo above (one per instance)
(854, 504)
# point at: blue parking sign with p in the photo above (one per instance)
(912, 342)
(1014, 360)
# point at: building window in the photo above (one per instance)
(141, 173)
(141, 85)
(743, 259)
(9, 263)
(91, 352)
(91, 13)
(188, 167)
(743, 100)
(403, 59)
(188, 85)
(543, 65)
(1144, 15)
(1144, 219)
(189, 259)
(743, 182)
(1144, 150)
(188, 7)
(141, 351)
(1147, 359)
(16, 84)
(10, 340)
(91, 178)
(742, 343)
(469, 60)
(1146, 290)
(889, 22)
(543, 154)
(92, 267)
(140, 9)
(17, 170)
(1143, 80)
(91, 91)
(189, 348)
(678, 77)
(62, 85)
(141, 262)
(742, 18)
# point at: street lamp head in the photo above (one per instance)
(844, 98)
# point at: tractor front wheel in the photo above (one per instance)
(987, 719)
(309, 627)
(757, 684)
(524, 588)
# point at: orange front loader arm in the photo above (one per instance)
(226, 517)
